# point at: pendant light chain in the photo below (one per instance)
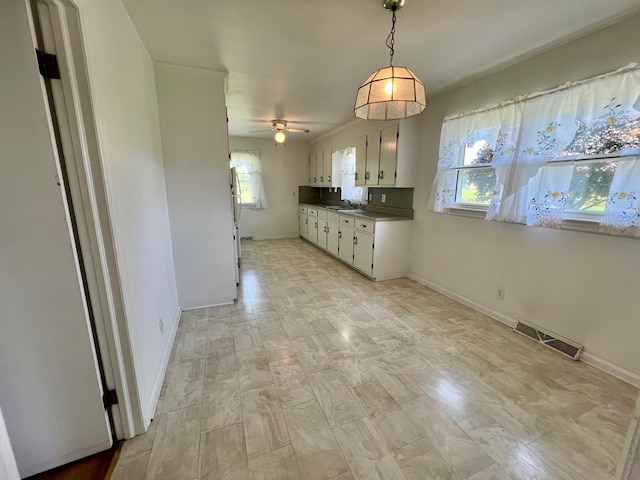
(391, 40)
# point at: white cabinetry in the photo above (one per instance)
(321, 169)
(322, 228)
(312, 234)
(333, 233)
(388, 157)
(345, 239)
(304, 220)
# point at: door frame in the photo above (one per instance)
(86, 185)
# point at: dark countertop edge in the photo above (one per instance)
(370, 213)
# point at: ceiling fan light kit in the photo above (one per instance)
(391, 93)
(281, 129)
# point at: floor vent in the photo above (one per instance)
(562, 345)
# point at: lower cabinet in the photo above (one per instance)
(304, 220)
(363, 252)
(378, 249)
(333, 235)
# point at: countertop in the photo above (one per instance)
(368, 214)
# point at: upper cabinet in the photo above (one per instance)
(321, 169)
(387, 157)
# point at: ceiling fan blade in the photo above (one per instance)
(265, 130)
(297, 130)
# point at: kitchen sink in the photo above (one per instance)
(339, 207)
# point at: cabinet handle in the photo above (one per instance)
(339, 234)
(329, 178)
(356, 176)
(316, 225)
(366, 175)
(321, 179)
(355, 240)
(363, 225)
(314, 180)
(306, 221)
(381, 174)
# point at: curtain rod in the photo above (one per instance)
(524, 98)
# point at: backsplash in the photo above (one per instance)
(394, 197)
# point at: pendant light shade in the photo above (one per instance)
(391, 93)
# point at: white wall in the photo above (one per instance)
(284, 169)
(124, 101)
(8, 467)
(579, 285)
(49, 388)
(196, 157)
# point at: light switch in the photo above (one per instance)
(384, 197)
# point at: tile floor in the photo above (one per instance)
(319, 373)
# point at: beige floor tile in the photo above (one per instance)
(421, 461)
(366, 453)
(314, 443)
(459, 450)
(291, 382)
(223, 454)
(278, 464)
(175, 448)
(334, 397)
(265, 428)
(390, 421)
(221, 402)
(311, 344)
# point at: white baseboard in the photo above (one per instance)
(273, 237)
(613, 370)
(162, 371)
(586, 357)
(224, 302)
(465, 301)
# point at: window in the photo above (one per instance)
(348, 191)
(569, 154)
(249, 171)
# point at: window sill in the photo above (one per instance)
(584, 224)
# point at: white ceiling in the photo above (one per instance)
(303, 60)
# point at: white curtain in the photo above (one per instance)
(622, 213)
(249, 170)
(539, 141)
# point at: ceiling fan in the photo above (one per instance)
(280, 127)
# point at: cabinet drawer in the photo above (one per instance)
(333, 217)
(365, 225)
(322, 214)
(350, 221)
(303, 209)
(312, 212)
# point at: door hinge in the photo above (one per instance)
(48, 64)
(372, 266)
(109, 399)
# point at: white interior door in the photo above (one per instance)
(50, 388)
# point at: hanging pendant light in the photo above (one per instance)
(391, 92)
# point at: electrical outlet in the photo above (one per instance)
(371, 197)
(161, 327)
(500, 294)
(384, 197)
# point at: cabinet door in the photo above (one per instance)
(363, 252)
(322, 234)
(326, 167)
(332, 237)
(313, 166)
(388, 156)
(361, 160)
(373, 159)
(319, 163)
(304, 232)
(313, 229)
(345, 243)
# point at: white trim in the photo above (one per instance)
(164, 363)
(586, 357)
(273, 237)
(221, 304)
(465, 301)
(613, 370)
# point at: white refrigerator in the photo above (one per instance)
(235, 200)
